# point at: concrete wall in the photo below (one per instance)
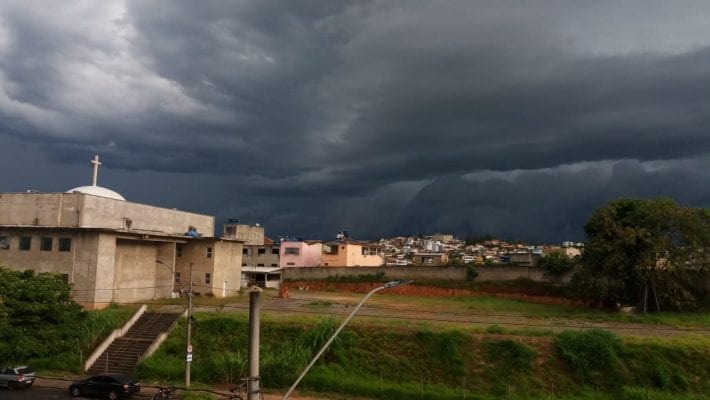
(309, 254)
(164, 278)
(252, 258)
(250, 234)
(74, 210)
(36, 259)
(195, 251)
(135, 272)
(497, 273)
(227, 267)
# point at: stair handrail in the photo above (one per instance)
(113, 336)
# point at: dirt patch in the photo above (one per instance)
(423, 291)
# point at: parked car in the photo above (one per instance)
(112, 386)
(16, 377)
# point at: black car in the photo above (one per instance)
(113, 386)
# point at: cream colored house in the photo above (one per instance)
(349, 253)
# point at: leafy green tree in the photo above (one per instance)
(638, 250)
(38, 317)
(557, 263)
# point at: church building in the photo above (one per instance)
(115, 251)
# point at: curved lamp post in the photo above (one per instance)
(325, 346)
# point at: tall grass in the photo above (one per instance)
(372, 361)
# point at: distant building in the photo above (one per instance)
(260, 255)
(300, 253)
(112, 250)
(349, 253)
(431, 259)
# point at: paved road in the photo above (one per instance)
(34, 393)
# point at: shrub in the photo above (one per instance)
(510, 355)
(591, 353)
(471, 272)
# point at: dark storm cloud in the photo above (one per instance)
(314, 116)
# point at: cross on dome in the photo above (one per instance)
(96, 163)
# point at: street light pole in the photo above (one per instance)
(188, 355)
(325, 346)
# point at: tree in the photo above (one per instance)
(557, 263)
(38, 317)
(641, 250)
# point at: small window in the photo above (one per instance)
(293, 263)
(25, 242)
(4, 243)
(244, 264)
(64, 244)
(45, 244)
(275, 250)
(262, 250)
(209, 252)
(292, 251)
(178, 250)
(177, 277)
(259, 265)
(65, 278)
(274, 265)
(245, 251)
(208, 278)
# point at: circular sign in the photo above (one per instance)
(189, 348)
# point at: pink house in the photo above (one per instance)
(301, 253)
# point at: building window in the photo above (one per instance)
(292, 251)
(25, 242)
(244, 264)
(177, 277)
(290, 263)
(259, 265)
(64, 244)
(208, 278)
(275, 250)
(65, 278)
(245, 251)
(178, 250)
(45, 244)
(4, 243)
(209, 252)
(274, 265)
(262, 250)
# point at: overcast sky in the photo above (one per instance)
(512, 118)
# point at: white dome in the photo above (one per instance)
(97, 191)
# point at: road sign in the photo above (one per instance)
(189, 349)
(189, 357)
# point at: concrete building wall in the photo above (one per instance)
(200, 253)
(164, 278)
(249, 234)
(356, 258)
(74, 210)
(334, 259)
(260, 256)
(135, 271)
(228, 267)
(309, 254)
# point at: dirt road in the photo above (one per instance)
(392, 307)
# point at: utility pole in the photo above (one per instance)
(253, 385)
(188, 356)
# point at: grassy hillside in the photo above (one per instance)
(381, 360)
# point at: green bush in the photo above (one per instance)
(510, 356)
(592, 354)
